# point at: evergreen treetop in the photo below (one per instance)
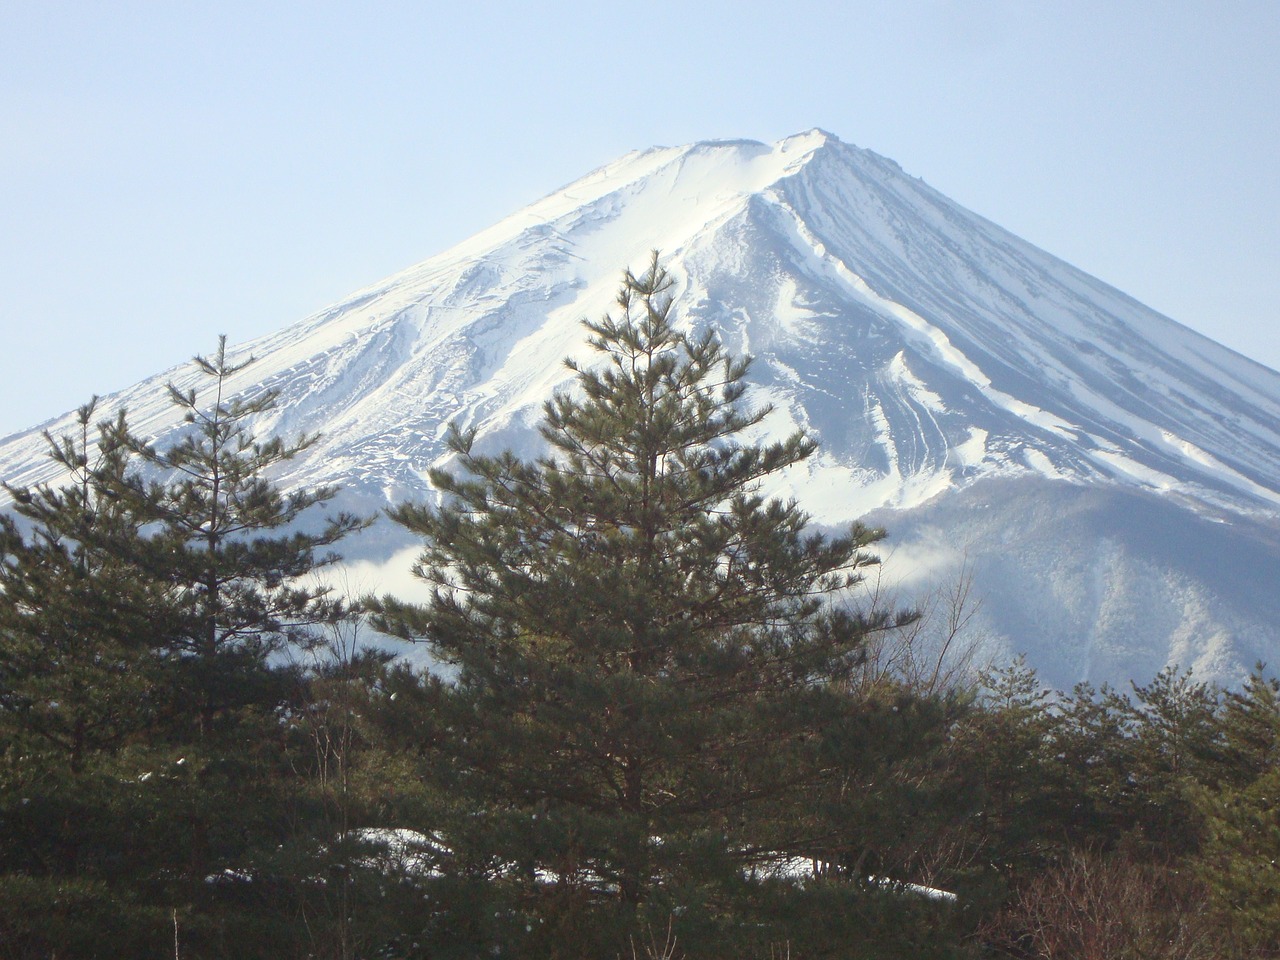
(647, 649)
(232, 536)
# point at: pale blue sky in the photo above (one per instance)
(170, 171)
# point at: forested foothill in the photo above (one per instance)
(666, 718)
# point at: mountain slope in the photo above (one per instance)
(1098, 582)
(928, 350)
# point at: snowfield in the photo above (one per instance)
(934, 356)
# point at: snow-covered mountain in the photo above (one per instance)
(1111, 478)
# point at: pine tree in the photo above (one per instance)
(1092, 744)
(1250, 728)
(232, 533)
(233, 551)
(80, 696)
(140, 624)
(645, 650)
(1007, 802)
(1240, 860)
(1176, 744)
(77, 622)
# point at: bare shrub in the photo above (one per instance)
(934, 653)
(1093, 907)
(651, 948)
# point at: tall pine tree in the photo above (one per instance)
(645, 650)
(234, 551)
(77, 621)
(81, 694)
(236, 554)
(149, 776)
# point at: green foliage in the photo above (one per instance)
(1241, 859)
(1006, 746)
(1250, 728)
(1177, 743)
(43, 917)
(77, 623)
(233, 552)
(148, 773)
(644, 648)
(900, 806)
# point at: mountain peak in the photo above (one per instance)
(814, 136)
(927, 350)
(806, 252)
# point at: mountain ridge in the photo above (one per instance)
(926, 348)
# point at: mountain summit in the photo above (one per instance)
(1111, 478)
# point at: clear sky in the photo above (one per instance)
(170, 170)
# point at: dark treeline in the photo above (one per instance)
(663, 726)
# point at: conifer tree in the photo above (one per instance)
(1176, 744)
(138, 623)
(234, 552)
(1240, 863)
(79, 689)
(77, 622)
(1004, 748)
(1240, 860)
(1250, 728)
(1092, 742)
(232, 549)
(645, 649)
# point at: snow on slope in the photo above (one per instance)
(923, 345)
(927, 349)
(1098, 582)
